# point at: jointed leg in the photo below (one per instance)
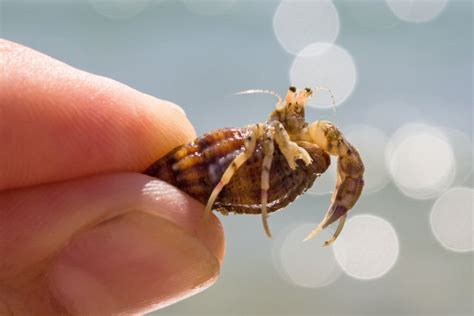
(288, 148)
(342, 220)
(335, 212)
(350, 172)
(268, 149)
(250, 142)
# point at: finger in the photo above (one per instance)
(105, 245)
(58, 122)
(38, 222)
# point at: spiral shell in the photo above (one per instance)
(197, 167)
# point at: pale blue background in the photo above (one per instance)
(199, 61)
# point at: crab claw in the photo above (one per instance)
(350, 171)
(334, 213)
(345, 196)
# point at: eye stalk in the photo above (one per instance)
(303, 96)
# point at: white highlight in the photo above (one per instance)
(367, 248)
(421, 160)
(299, 23)
(119, 9)
(452, 219)
(371, 143)
(327, 65)
(417, 11)
(209, 7)
(305, 264)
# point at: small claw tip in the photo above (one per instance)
(313, 233)
(268, 232)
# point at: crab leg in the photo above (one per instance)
(289, 148)
(268, 149)
(249, 145)
(350, 170)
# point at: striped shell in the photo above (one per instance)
(197, 167)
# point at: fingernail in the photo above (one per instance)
(132, 264)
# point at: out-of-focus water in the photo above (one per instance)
(401, 72)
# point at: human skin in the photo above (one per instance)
(82, 231)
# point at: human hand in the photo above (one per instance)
(81, 230)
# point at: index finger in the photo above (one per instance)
(58, 122)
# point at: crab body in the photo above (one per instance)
(263, 167)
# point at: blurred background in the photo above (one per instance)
(401, 72)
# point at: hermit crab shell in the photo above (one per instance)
(197, 167)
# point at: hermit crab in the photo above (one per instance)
(263, 167)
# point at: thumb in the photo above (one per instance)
(135, 263)
(111, 244)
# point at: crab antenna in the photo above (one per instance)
(324, 88)
(252, 91)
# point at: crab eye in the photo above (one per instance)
(308, 90)
(292, 88)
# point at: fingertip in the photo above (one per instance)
(58, 122)
(185, 212)
(169, 125)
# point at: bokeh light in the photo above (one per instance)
(209, 7)
(305, 264)
(367, 248)
(417, 11)
(119, 9)
(299, 23)
(452, 219)
(421, 160)
(324, 64)
(463, 153)
(371, 143)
